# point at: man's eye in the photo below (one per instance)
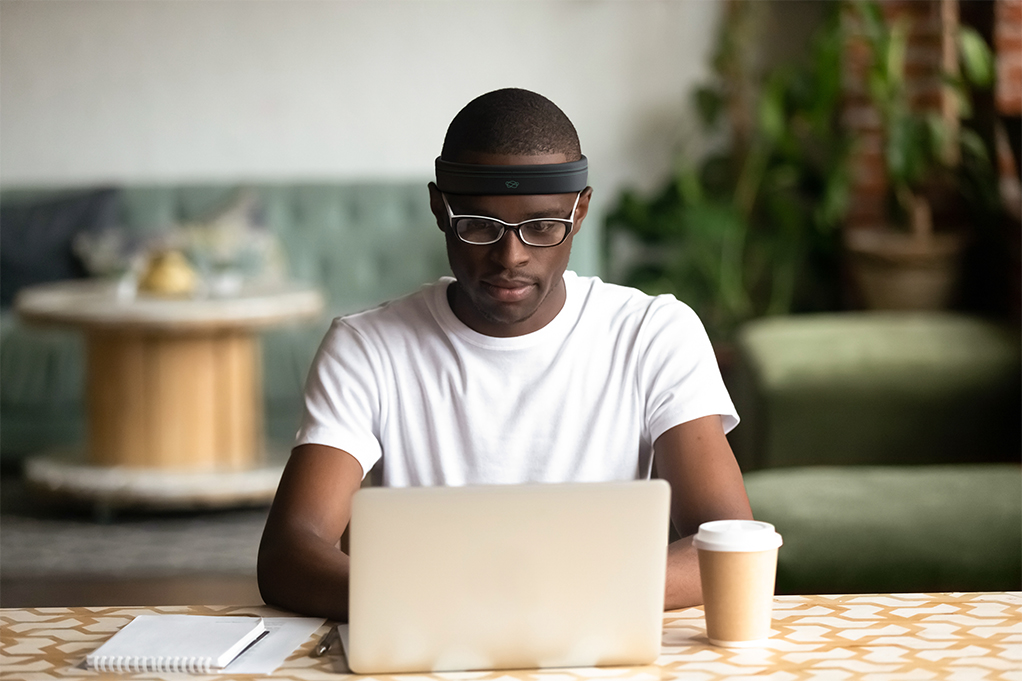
(544, 227)
(475, 225)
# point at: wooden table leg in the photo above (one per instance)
(183, 401)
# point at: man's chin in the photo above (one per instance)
(491, 315)
(506, 314)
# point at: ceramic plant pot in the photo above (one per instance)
(904, 271)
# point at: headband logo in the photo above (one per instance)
(511, 184)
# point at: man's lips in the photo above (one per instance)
(508, 291)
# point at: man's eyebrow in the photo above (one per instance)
(549, 214)
(557, 213)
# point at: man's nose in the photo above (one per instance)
(511, 252)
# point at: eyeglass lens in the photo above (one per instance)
(476, 230)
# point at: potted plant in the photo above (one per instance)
(749, 229)
(911, 263)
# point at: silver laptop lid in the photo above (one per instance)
(505, 577)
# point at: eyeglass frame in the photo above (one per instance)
(515, 227)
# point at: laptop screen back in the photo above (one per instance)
(504, 577)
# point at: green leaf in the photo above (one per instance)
(689, 187)
(894, 55)
(831, 210)
(771, 110)
(938, 134)
(709, 105)
(898, 150)
(975, 56)
(873, 24)
(973, 145)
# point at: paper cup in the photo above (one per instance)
(737, 567)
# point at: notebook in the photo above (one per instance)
(176, 643)
(507, 577)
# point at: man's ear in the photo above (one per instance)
(583, 208)
(436, 204)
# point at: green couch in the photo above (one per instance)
(361, 243)
(885, 448)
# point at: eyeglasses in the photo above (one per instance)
(480, 230)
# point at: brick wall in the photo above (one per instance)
(923, 67)
(1008, 46)
(1008, 102)
(992, 274)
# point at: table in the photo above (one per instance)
(173, 390)
(886, 636)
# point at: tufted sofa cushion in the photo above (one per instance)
(877, 388)
(41, 378)
(362, 244)
(877, 529)
(37, 237)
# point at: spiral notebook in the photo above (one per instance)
(196, 644)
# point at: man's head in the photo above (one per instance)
(511, 155)
(510, 122)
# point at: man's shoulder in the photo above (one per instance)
(625, 302)
(409, 311)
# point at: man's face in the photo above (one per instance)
(507, 288)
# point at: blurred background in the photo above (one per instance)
(832, 186)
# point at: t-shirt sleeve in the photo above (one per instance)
(342, 397)
(678, 371)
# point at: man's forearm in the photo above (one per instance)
(309, 577)
(301, 567)
(683, 587)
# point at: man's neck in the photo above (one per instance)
(462, 308)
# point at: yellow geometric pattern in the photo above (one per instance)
(969, 636)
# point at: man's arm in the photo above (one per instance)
(301, 567)
(706, 484)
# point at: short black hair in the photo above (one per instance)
(511, 121)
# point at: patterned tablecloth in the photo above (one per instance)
(887, 636)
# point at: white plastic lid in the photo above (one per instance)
(737, 535)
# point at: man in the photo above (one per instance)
(515, 371)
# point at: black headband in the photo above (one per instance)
(487, 180)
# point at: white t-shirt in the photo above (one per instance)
(582, 399)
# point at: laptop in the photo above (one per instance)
(507, 576)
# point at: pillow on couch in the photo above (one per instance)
(36, 237)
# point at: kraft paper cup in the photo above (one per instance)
(737, 567)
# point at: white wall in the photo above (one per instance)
(169, 90)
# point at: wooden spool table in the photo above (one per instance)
(173, 393)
